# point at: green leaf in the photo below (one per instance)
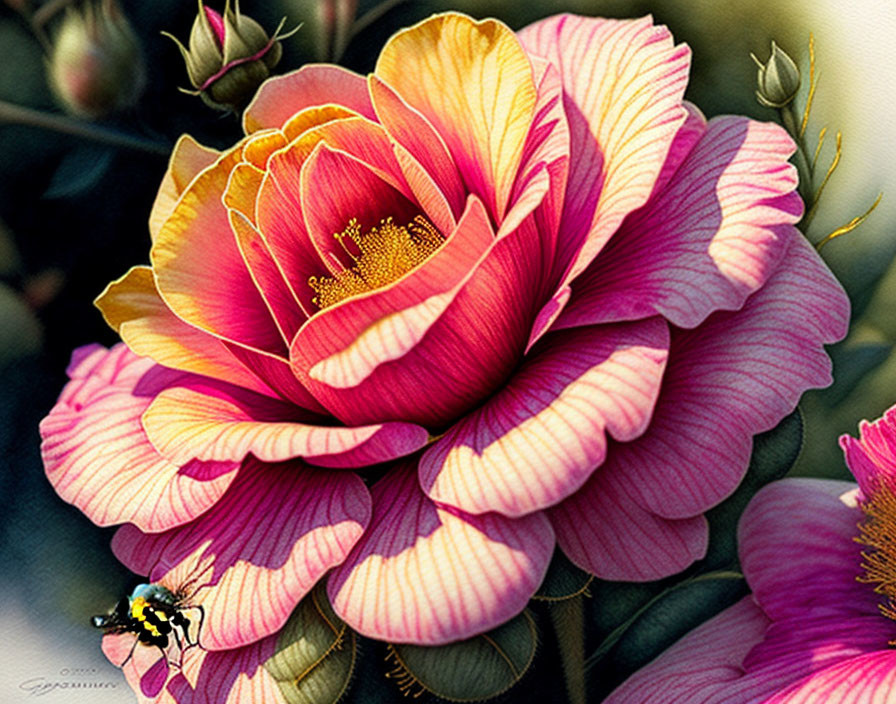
(315, 653)
(563, 581)
(470, 670)
(851, 364)
(80, 170)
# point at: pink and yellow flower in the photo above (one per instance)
(820, 558)
(507, 292)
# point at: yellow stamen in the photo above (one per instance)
(384, 254)
(878, 532)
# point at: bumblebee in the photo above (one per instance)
(154, 614)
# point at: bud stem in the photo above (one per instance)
(16, 114)
(568, 619)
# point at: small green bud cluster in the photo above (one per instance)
(778, 80)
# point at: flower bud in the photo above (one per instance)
(95, 66)
(778, 80)
(229, 56)
(328, 25)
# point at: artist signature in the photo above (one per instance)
(68, 678)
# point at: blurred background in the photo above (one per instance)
(84, 146)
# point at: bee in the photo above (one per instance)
(155, 615)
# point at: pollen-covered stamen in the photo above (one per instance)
(878, 532)
(379, 257)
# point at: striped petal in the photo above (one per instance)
(706, 242)
(736, 375)
(247, 583)
(538, 439)
(220, 423)
(431, 575)
(623, 83)
(872, 457)
(473, 82)
(867, 679)
(97, 455)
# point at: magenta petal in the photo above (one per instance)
(97, 455)
(707, 241)
(872, 457)
(603, 529)
(538, 439)
(226, 423)
(736, 375)
(247, 583)
(428, 574)
(867, 679)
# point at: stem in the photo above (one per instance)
(371, 16)
(568, 619)
(19, 115)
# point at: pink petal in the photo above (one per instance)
(97, 455)
(213, 422)
(736, 375)
(428, 574)
(711, 238)
(247, 583)
(872, 458)
(538, 439)
(603, 529)
(797, 549)
(282, 96)
(623, 81)
(867, 679)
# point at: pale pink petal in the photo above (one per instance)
(97, 455)
(538, 439)
(217, 423)
(797, 549)
(624, 81)
(247, 583)
(707, 241)
(604, 530)
(872, 457)
(867, 679)
(428, 574)
(706, 665)
(281, 97)
(473, 82)
(736, 375)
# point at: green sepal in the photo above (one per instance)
(563, 580)
(471, 670)
(315, 653)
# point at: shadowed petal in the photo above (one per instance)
(538, 439)
(97, 455)
(246, 583)
(430, 575)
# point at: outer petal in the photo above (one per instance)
(734, 376)
(281, 97)
(798, 552)
(867, 679)
(214, 422)
(473, 82)
(603, 529)
(430, 575)
(98, 457)
(538, 439)
(624, 81)
(188, 159)
(872, 457)
(247, 583)
(711, 238)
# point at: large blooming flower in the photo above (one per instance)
(508, 291)
(820, 558)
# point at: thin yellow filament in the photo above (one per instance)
(878, 532)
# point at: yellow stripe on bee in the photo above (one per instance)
(137, 608)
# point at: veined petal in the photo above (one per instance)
(473, 82)
(247, 583)
(431, 575)
(736, 375)
(866, 679)
(207, 422)
(872, 457)
(538, 439)
(188, 159)
(133, 308)
(624, 81)
(97, 455)
(711, 238)
(281, 97)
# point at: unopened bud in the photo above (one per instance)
(95, 66)
(229, 56)
(778, 80)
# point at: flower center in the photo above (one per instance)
(878, 532)
(379, 257)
